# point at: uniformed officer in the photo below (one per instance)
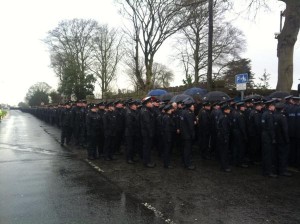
(110, 131)
(66, 124)
(132, 129)
(147, 121)
(282, 141)
(240, 137)
(93, 124)
(101, 111)
(268, 139)
(254, 132)
(187, 131)
(223, 137)
(119, 113)
(168, 133)
(204, 129)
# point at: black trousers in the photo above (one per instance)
(167, 148)
(204, 139)
(92, 146)
(132, 147)
(267, 153)
(66, 134)
(187, 152)
(147, 146)
(223, 152)
(281, 156)
(109, 144)
(239, 148)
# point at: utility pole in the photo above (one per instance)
(210, 42)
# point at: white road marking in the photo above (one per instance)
(158, 213)
(95, 166)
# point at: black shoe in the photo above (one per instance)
(169, 167)
(191, 167)
(228, 170)
(113, 158)
(61, 144)
(107, 159)
(130, 161)
(286, 174)
(150, 165)
(91, 158)
(244, 166)
(272, 175)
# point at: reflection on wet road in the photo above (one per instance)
(41, 182)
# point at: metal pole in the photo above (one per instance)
(210, 41)
(242, 95)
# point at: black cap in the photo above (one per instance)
(279, 106)
(271, 102)
(146, 100)
(240, 104)
(258, 102)
(288, 97)
(168, 107)
(101, 103)
(132, 102)
(296, 98)
(206, 103)
(225, 107)
(109, 104)
(188, 102)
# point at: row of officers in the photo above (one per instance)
(234, 133)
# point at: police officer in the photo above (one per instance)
(240, 137)
(223, 137)
(282, 141)
(187, 131)
(110, 131)
(268, 139)
(66, 124)
(119, 113)
(132, 130)
(168, 132)
(254, 132)
(93, 124)
(147, 121)
(101, 111)
(204, 129)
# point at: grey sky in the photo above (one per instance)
(25, 61)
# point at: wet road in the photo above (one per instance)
(41, 182)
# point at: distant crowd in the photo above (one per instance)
(233, 133)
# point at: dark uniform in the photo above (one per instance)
(187, 131)
(168, 132)
(268, 141)
(147, 121)
(254, 133)
(93, 125)
(223, 137)
(282, 141)
(239, 136)
(110, 132)
(119, 113)
(204, 130)
(132, 129)
(66, 125)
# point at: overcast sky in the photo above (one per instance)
(24, 59)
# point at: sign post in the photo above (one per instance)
(241, 83)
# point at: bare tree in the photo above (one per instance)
(162, 76)
(106, 56)
(154, 21)
(192, 44)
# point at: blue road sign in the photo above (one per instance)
(241, 78)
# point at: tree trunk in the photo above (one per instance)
(286, 42)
